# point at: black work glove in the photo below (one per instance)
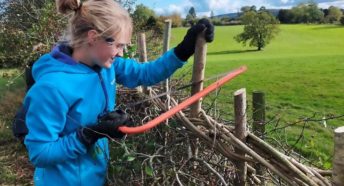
(107, 126)
(186, 48)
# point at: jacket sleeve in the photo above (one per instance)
(45, 119)
(132, 74)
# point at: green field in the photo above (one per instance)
(301, 73)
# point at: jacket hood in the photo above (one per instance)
(60, 60)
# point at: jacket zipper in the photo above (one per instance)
(105, 92)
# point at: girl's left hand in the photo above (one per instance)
(187, 47)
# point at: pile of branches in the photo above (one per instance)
(197, 150)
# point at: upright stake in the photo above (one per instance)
(338, 157)
(240, 133)
(258, 99)
(167, 37)
(142, 53)
(198, 72)
(197, 77)
(142, 47)
(166, 46)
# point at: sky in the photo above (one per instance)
(204, 7)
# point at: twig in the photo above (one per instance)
(212, 170)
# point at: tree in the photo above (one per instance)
(342, 20)
(334, 14)
(21, 14)
(259, 28)
(24, 25)
(151, 22)
(325, 12)
(175, 17)
(303, 13)
(192, 12)
(127, 4)
(253, 8)
(285, 16)
(191, 17)
(315, 14)
(212, 14)
(307, 13)
(245, 9)
(140, 16)
(262, 9)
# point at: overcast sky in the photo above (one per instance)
(203, 7)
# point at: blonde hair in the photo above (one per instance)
(105, 16)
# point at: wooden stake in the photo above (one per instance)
(338, 157)
(240, 133)
(198, 72)
(258, 113)
(167, 37)
(166, 46)
(197, 77)
(142, 47)
(258, 99)
(142, 53)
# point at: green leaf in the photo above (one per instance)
(149, 170)
(130, 158)
(327, 165)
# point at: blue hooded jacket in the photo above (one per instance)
(68, 95)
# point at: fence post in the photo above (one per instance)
(167, 37)
(198, 73)
(142, 47)
(240, 133)
(197, 80)
(166, 46)
(142, 53)
(258, 99)
(338, 157)
(258, 104)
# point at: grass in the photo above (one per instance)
(15, 168)
(301, 73)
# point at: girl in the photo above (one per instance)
(70, 108)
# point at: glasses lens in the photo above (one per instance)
(109, 40)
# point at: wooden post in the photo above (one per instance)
(166, 46)
(197, 77)
(198, 73)
(240, 133)
(258, 99)
(258, 113)
(142, 47)
(142, 54)
(167, 37)
(338, 157)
